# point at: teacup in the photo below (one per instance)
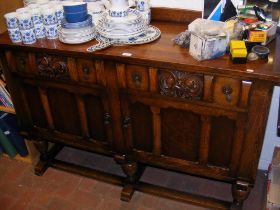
(118, 12)
(28, 36)
(142, 5)
(11, 20)
(40, 31)
(49, 17)
(36, 16)
(58, 12)
(25, 21)
(22, 10)
(14, 34)
(51, 31)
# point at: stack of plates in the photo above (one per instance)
(27, 2)
(76, 33)
(122, 28)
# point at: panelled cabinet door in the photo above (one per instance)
(61, 108)
(170, 124)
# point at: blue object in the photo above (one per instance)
(217, 12)
(75, 7)
(8, 124)
(86, 23)
(76, 17)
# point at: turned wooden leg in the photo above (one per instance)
(240, 192)
(132, 172)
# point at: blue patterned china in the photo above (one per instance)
(122, 28)
(51, 31)
(14, 34)
(11, 20)
(118, 12)
(40, 31)
(151, 34)
(85, 23)
(142, 5)
(75, 17)
(28, 36)
(74, 7)
(25, 21)
(49, 17)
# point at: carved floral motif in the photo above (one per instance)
(52, 67)
(180, 84)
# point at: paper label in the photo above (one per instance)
(257, 36)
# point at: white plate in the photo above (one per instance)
(76, 31)
(151, 34)
(76, 40)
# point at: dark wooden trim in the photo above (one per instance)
(211, 203)
(174, 15)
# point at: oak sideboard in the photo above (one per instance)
(150, 104)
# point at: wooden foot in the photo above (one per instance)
(127, 192)
(240, 192)
(133, 172)
(41, 167)
(46, 156)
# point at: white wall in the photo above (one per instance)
(270, 139)
(183, 4)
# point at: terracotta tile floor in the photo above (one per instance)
(20, 189)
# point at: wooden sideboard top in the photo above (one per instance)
(162, 53)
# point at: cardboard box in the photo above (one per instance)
(263, 36)
(273, 183)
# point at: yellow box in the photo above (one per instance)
(237, 44)
(238, 53)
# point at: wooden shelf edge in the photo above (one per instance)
(7, 109)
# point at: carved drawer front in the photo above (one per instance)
(86, 70)
(180, 84)
(137, 77)
(52, 66)
(22, 62)
(226, 91)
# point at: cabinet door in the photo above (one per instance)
(177, 129)
(77, 115)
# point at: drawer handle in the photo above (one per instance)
(126, 122)
(22, 62)
(86, 70)
(136, 79)
(227, 90)
(107, 118)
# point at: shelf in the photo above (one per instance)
(33, 156)
(7, 109)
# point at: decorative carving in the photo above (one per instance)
(181, 84)
(52, 67)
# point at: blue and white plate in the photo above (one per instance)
(151, 34)
(126, 27)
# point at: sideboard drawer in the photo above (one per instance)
(22, 63)
(137, 77)
(86, 70)
(226, 91)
